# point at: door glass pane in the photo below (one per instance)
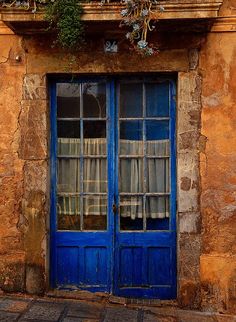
(131, 136)
(157, 99)
(159, 148)
(94, 129)
(68, 212)
(95, 213)
(131, 130)
(68, 129)
(95, 175)
(94, 100)
(131, 100)
(158, 175)
(68, 175)
(68, 100)
(157, 213)
(131, 213)
(95, 138)
(68, 146)
(157, 130)
(131, 175)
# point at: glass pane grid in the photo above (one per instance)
(82, 134)
(144, 118)
(155, 149)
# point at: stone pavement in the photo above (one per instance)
(26, 309)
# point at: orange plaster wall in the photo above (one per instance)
(218, 171)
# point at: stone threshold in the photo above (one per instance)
(26, 308)
(108, 298)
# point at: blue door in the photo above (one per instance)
(113, 193)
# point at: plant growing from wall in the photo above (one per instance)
(65, 17)
(137, 16)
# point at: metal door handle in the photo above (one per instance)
(114, 208)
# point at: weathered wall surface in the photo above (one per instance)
(12, 254)
(23, 166)
(218, 172)
(217, 164)
(206, 140)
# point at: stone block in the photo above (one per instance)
(120, 314)
(9, 317)
(154, 318)
(188, 182)
(189, 257)
(33, 130)
(45, 311)
(35, 279)
(85, 310)
(12, 273)
(34, 87)
(188, 141)
(35, 177)
(13, 305)
(189, 222)
(193, 55)
(189, 295)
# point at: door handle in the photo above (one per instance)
(114, 208)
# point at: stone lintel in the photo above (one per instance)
(173, 10)
(224, 24)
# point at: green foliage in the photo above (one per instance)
(65, 17)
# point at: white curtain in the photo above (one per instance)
(131, 177)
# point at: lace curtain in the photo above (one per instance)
(95, 177)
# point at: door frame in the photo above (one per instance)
(113, 110)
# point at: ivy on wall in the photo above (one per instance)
(64, 16)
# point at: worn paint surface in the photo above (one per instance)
(206, 140)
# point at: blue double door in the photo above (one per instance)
(113, 191)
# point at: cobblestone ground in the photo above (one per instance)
(50, 310)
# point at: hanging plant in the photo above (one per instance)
(65, 17)
(137, 16)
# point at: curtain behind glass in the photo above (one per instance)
(131, 175)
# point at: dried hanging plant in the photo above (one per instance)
(137, 15)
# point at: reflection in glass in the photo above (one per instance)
(158, 175)
(131, 100)
(131, 175)
(157, 130)
(95, 213)
(131, 213)
(68, 100)
(94, 100)
(68, 129)
(68, 175)
(158, 224)
(157, 99)
(68, 212)
(94, 129)
(95, 175)
(157, 207)
(131, 130)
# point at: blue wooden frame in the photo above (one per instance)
(112, 113)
